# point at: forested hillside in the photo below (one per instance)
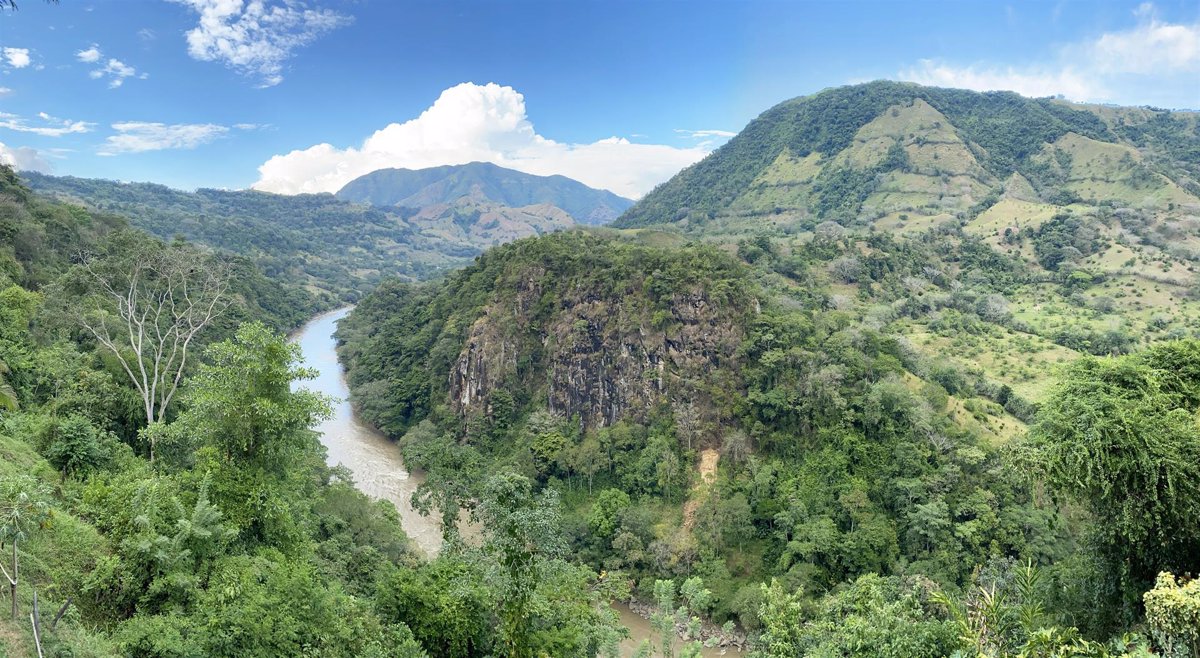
(338, 250)
(866, 154)
(207, 523)
(881, 376)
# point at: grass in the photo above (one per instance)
(1025, 362)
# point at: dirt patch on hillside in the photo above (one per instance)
(708, 475)
(708, 465)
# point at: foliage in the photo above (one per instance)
(871, 616)
(1119, 436)
(1173, 615)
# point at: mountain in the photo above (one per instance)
(867, 154)
(333, 247)
(483, 181)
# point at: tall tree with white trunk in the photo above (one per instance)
(150, 302)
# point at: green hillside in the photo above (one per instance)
(867, 354)
(134, 535)
(862, 153)
(483, 181)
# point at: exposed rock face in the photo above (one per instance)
(597, 358)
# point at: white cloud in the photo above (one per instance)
(53, 126)
(1153, 47)
(4, 91)
(89, 55)
(705, 134)
(1151, 62)
(257, 37)
(18, 58)
(1027, 82)
(468, 123)
(22, 158)
(116, 71)
(139, 136)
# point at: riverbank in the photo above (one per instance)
(378, 468)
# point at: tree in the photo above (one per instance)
(76, 445)
(522, 531)
(254, 431)
(150, 301)
(668, 618)
(1120, 436)
(242, 401)
(546, 605)
(1173, 614)
(871, 617)
(605, 516)
(8, 396)
(24, 507)
(736, 446)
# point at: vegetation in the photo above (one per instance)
(919, 375)
(336, 249)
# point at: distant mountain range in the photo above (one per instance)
(484, 182)
(394, 222)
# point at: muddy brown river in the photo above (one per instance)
(376, 464)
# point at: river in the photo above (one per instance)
(375, 462)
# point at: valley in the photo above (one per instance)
(896, 371)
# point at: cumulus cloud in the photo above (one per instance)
(469, 123)
(17, 58)
(4, 91)
(1027, 82)
(257, 37)
(115, 71)
(48, 126)
(89, 55)
(139, 136)
(22, 158)
(1153, 61)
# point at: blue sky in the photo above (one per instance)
(302, 95)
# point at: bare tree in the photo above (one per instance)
(148, 308)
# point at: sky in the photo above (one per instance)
(295, 96)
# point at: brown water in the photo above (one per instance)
(374, 461)
(377, 466)
(640, 629)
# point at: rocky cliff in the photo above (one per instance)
(594, 327)
(600, 358)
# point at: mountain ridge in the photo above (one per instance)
(483, 181)
(824, 156)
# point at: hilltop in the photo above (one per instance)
(1092, 210)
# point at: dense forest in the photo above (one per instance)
(207, 523)
(844, 477)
